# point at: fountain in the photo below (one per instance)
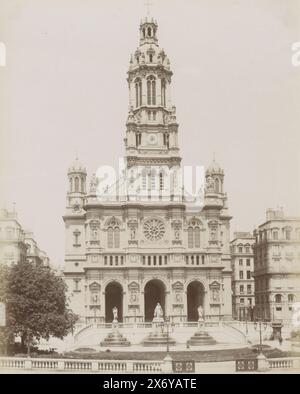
(158, 336)
(201, 336)
(115, 338)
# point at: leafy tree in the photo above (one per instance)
(36, 304)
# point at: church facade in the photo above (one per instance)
(144, 240)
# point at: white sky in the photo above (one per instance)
(64, 90)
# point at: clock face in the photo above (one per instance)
(152, 139)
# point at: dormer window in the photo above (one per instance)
(151, 58)
(149, 31)
(144, 33)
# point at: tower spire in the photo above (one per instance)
(148, 4)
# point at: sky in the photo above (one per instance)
(64, 91)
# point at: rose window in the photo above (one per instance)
(154, 229)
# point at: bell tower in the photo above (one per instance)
(151, 127)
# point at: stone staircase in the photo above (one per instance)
(92, 335)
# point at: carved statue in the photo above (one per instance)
(200, 313)
(158, 312)
(115, 313)
(132, 233)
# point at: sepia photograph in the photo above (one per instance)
(149, 189)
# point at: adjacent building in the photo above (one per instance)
(16, 244)
(277, 266)
(242, 264)
(12, 238)
(145, 240)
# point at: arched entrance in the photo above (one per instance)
(195, 298)
(113, 298)
(154, 293)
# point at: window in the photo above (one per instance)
(151, 90)
(197, 237)
(275, 235)
(248, 262)
(217, 187)
(288, 233)
(291, 298)
(76, 184)
(166, 140)
(241, 289)
(76, 235)
(138, 92)
(138, 137)
(163, 92)
(241, 275)
(276, 251)
(242, 300)
(110, 238)
(149, 31)
(248, 274)
(240, 249)
(113, 237)
(190, 237)
(278, 298)
(71, 185)
(249, 301)
(249, 289)
(240, 262)
(150, 58)
(76, 285)
(194, 237)
(117, 237)
(247, 249)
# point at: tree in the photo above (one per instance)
(36, 303)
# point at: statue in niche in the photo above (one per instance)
(213, 234)
(176, 234)
(95, 298)
(132, 233)
(94, 235)
(133, 297)
(200, 313)
(178, 297)
(115, 314)
(158, 312)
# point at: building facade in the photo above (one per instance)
(144, 239)
(242, 264)
(277, 266)
(12, 238)
(16, 244)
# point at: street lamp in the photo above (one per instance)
(261, 326)
(167, 324)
